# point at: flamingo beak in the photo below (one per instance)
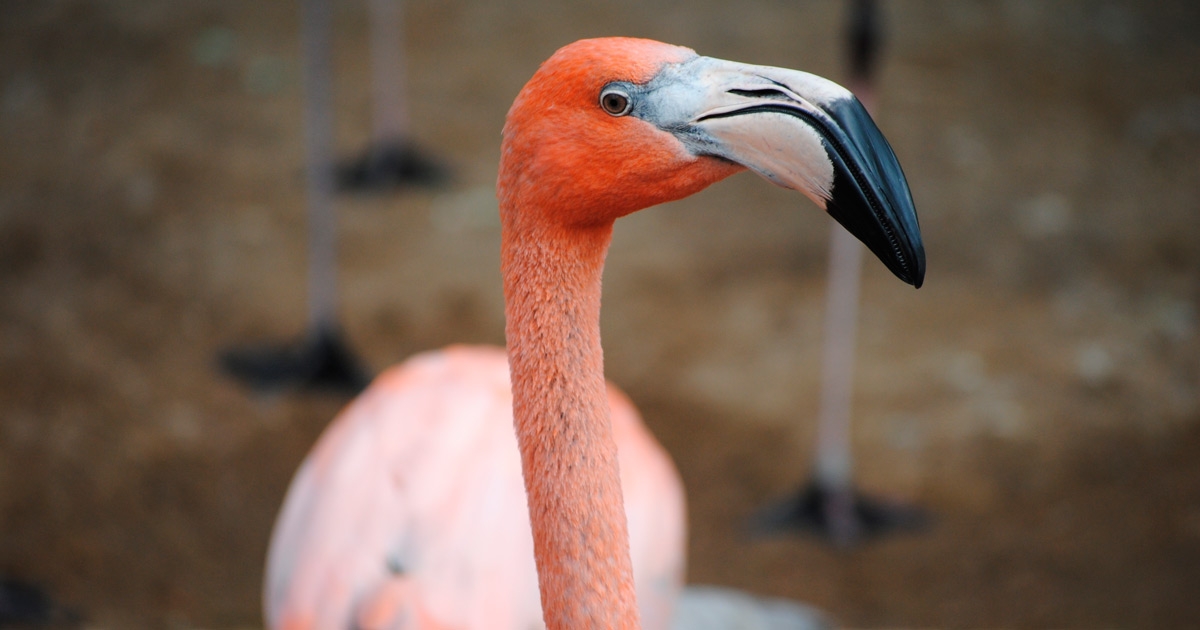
(798, 131)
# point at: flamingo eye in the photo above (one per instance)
(615, 101)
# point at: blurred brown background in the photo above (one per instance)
(1041, 394)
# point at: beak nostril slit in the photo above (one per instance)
(762, 93)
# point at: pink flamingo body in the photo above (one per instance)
(408, 513)
(411, 508)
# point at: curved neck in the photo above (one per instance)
(560, 410)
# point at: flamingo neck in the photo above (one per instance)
(560, 410)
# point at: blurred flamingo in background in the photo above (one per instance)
(322, 359)
(828, 504)
(408, 513)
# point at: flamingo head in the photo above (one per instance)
(609, 126)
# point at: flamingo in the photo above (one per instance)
(408, 512)
(829, 504)
(321, 359)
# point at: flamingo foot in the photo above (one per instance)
(24, 605)
(390, 165)
(320, 361)
(843, 516)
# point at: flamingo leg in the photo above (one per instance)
(320, 360)
(828, 503)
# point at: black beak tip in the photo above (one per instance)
(909, 262)
(917, 280)
(911, 275)
(916, 277)
(892, 236)
(871, 197)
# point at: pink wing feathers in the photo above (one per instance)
(410, 511)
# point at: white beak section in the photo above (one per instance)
(785, 153)
(708, 95)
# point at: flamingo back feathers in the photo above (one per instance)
(410, 511)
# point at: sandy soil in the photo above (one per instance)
(1041, 395)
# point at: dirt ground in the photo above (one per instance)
(1041, 394)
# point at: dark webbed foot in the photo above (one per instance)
(843, 516)
(391, 165)
(24, 605)
(319, 361)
